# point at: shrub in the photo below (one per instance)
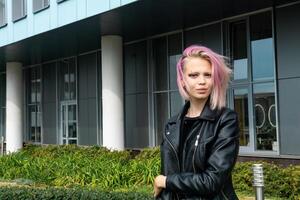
(279, 182)
(22, 193)
(101, 169)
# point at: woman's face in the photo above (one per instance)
(197, 73)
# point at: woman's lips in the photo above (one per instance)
(201, 91)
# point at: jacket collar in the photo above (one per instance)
(206, 114)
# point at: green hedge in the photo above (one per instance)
(23, 193)
(100, 169)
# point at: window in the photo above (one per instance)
(19, 9)
(167, 100)
(253, 86)
(68, 103)
(39, 5)
(2, 104)
(34, 104)
(2, 13)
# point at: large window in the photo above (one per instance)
(38, 5)
(34, 120)
(68, 103)
(167, 100)
(19, 9)
(253, 86)
(2, 12)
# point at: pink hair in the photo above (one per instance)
(220, 73)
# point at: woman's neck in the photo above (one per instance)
(196, 107)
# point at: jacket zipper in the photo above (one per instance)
(184, 145)
(196, 146)
(174, 152)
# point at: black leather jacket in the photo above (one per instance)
(209, 155)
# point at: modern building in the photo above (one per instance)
(102, 72)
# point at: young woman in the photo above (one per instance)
(200, 145)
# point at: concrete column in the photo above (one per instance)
(112, 92)
(14, 107)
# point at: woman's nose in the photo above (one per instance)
(201, 80)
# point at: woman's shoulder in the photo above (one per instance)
(227, 113)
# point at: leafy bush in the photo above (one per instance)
(98, 168)
(21, 193)
(279, 182)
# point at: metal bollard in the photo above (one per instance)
(258, 181)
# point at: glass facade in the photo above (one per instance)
(34, 115)
(252, 53)
(167, 100)
(68, 101)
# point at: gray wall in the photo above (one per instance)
(87, 92)
(49, 103)
(288, 55)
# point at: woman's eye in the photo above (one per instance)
(207, 75)
(193, 75)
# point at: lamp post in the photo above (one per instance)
(258, 181)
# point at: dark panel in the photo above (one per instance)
(92, 115)
(87, 122)
(49, 103)
(209, 36)
(136, 68)
(288, 41)
(49, 82)
(83, 125)
(87, 76)
(289, 116)
(87, 99)
(137, 135)
(49, 123)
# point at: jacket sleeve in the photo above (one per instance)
(219, 165)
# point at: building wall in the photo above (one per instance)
(54, 16)
(288, 47)
(151, 94)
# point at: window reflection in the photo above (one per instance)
(239, 50)
(241, 107)
(161, 114)
(33, 77)
(265, 116)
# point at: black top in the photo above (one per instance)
(188, 123)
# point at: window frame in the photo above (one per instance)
(24, 10)
(249, 83)
(4, 15)
(35, 104)
(40, 9)
(165, 91)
